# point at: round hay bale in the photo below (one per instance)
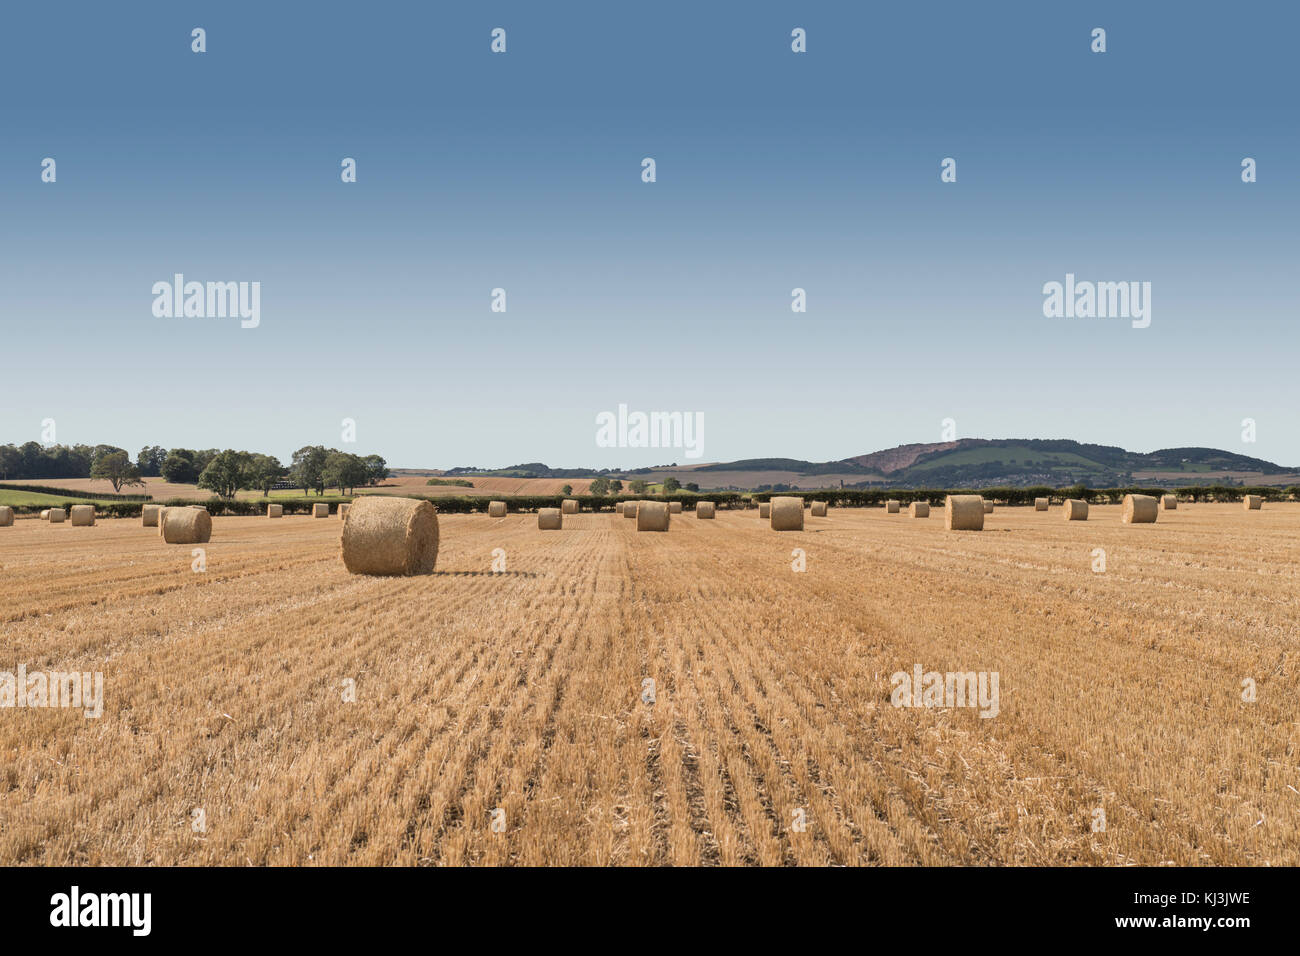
(618, 507)
(82, 516)
(569, 506)
(1040, 504)
(45, 514)
(496, 509)
(787, 514)
(6, 516)
(765, 509)
(919, 509)
(704, 509)
(343, 510)
(629, 509)
(988, 507)
(320, 510)
(1076, 509)
(674, 507)
(963, 513)
(57, 515)
(549, 519)
(149, 516)
(275, 511)
(1139, 509)
(1252, 502)
(390, 536)
(185, 525)
(1168, 503)
(652, 516)
(819, 509)
(893, 506)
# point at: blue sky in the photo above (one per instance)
(522, 171)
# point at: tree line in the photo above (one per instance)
(224, 472)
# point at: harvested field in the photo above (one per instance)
(223, 690)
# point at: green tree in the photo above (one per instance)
(264, 471)
(227, 473)
(615, 486)
(150, 460)
(179, 468)
(692, 486)
(116, 467)
(598, 486)
(376, 469)
(567, 490)
(639, 485)
(671, 484)
(308, 468)
(345, 471)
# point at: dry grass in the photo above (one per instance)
(521, 690)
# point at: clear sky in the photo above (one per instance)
(522, 171)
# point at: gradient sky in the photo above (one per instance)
(522, 171)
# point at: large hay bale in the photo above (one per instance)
(818, 509)
(550, 519)
(569, 506)
(963, 513)
(275, 511)
(919, 509)
(1076, 509)
(1040, 504)
(320, 510)
(704, 509)
(1140, 509)
(893, 506)
(674, 507)
(343, 510)
(618, 507)
(1168, 503)
(988, 507)
(652, 516)
(149, 516)
(57, 515)
(383, 535)
(45, 514)
(629, 509)
(1252, 502)
(6, 516)
(82, 516)
(787, 514)
(496, 509)
(765, 509)
(185, 525)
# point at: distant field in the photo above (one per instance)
(1119, 691)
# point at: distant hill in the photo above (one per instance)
(966, 462)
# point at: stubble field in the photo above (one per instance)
(522, 690)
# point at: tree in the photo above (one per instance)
(117, 468)
(567, 490)
(376, 468)
(227, 473)
(615, 486)
(639, 486)
(599, 486)
(308, 468)
(671, 484)
(692, 486)
(264, 471)
(344, 471)
(179, 468)
(150, 460)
